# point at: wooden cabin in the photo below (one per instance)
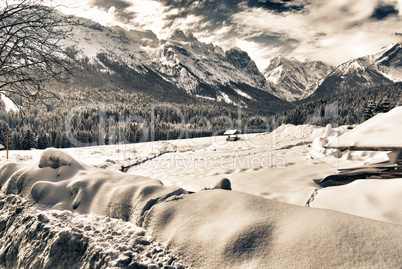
(232, 135)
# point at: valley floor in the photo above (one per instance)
(280, 165)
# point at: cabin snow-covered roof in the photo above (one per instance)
(232, 132)
(382, 132)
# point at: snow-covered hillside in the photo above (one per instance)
(382, 132)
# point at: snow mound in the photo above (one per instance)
(331, 136)
(60, 182)
(370, 198)
(226, 229)
(318, 149)
(381, 131)
(55, 158)
(298, 131)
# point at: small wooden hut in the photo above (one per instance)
(232, 135)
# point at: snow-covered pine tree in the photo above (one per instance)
(3, 132)
(28, 140)
(369, 110)
(374, 107)
(384, 105)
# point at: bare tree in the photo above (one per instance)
(31, 49)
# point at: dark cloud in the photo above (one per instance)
(211, 9)
(277, 6)
(274, 40)
(216, 13)
(106, 4)
(383, 11)
(120, 6)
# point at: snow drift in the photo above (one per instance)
(210, 229)
(377, 199)
(63, 183)
(382, 131)
(226, 229)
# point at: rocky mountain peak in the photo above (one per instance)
(178, 35)
(241, 59)
(290, 78)
(139, 35)
(279, 60)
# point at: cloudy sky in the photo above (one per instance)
(329, 30)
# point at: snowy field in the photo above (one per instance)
(90, 214)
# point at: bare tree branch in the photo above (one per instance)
(31, 49)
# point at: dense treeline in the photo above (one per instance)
(349, 107)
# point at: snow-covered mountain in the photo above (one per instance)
(382, 67)
(207, 71)
(202, 70)
(289, 79)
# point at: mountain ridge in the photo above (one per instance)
(201, 69)
(383, 67)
